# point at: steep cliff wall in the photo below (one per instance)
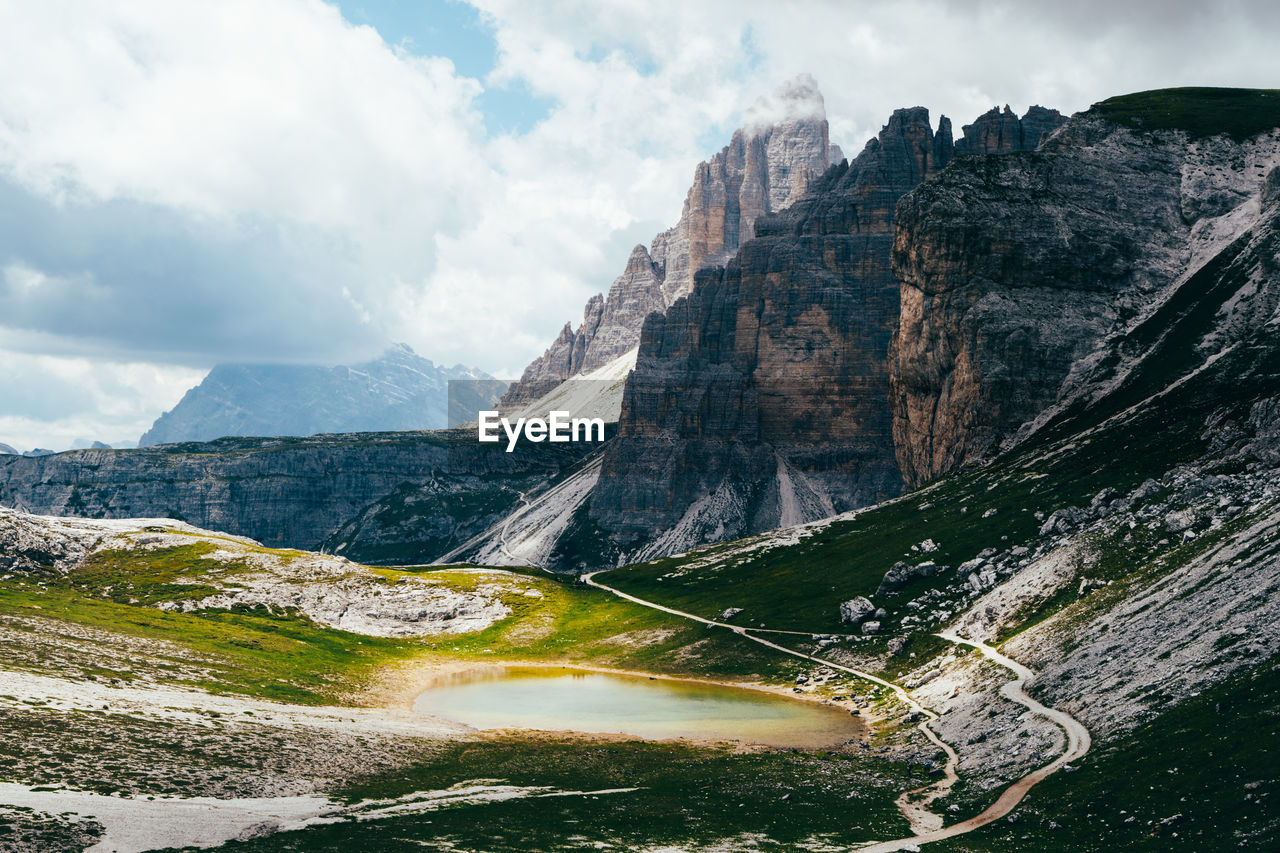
(768, 164)
(999, 131)
(759, 398)
(1017, 270)
(395, 497)
(762, 398)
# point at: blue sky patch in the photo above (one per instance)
(459, 32)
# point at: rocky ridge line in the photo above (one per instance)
(768, 164)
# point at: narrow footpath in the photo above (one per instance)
(926, 826)
(913, 804)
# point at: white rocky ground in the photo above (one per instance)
(137, 824)
(595, 394)
(1184, 617)
(527, 536)
(345, 597)
(332, 591)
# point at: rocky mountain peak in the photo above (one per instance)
(640, 262)
(399, 390)
(998, 131)
(760, 398)
(794, 102)
(782, 147)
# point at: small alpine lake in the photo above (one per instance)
(564, 699)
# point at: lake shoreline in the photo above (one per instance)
(400, 686)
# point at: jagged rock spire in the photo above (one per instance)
(782, 147)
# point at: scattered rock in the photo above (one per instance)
(1180, 520)
(1146, 490)
(261, 829)
(855, 610)
(1102, 498)
(923, 680)
(900, 574)
(1064, 520)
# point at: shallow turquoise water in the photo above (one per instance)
(559, 699)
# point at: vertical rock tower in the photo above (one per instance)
(781, 149)
(761, 399)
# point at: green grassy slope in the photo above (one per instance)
(59, 624)
(1200, 111)
(688, 796)
(1203, 776)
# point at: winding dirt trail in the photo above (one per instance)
(914, 805)
(1078, 743)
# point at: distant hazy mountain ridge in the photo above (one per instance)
(399, 391)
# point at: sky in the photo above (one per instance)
(189, 182)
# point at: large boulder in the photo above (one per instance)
(901, 574)
(855, 610)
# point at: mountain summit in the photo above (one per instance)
(401, 390)
(782, 148)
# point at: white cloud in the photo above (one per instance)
(55, 401)
(274, 108)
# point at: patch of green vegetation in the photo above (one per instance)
(584, 545)
(800, 587)
(22, 828)
(1200, 111)
(151, 576)
(428, 517)
(570, 622)
(686, 795)
(121, 754)
(284, 657)
(918, 648)
(1203, 775)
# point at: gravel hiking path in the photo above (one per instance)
(926, 825)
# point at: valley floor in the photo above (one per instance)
(161, 685)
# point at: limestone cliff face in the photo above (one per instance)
(1017, 270)
(634, 294)
(760, 398)
(384, 497)
(999, 131)
(769, 163)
